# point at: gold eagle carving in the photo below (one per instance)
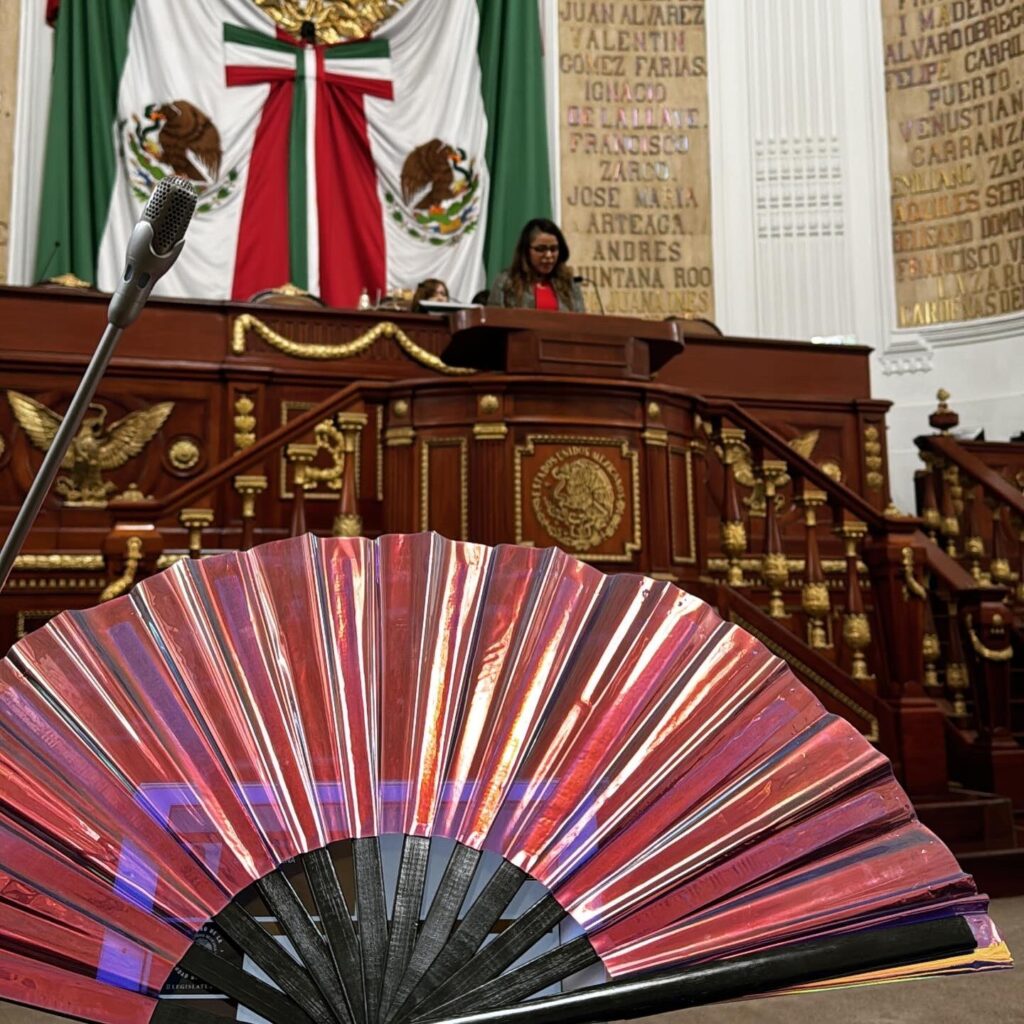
(95, 448)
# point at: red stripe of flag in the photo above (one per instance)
(262, 258)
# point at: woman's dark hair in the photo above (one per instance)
(520, 272)
(425, 292)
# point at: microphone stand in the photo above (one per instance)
(155, 243)
(58, 449)
(580, 279)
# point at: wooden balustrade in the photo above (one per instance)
(249, 487)
(348, 522)
(978, 591)
(300, 455)
(194, 520)
(774, 566)
(895, 552)
(733, 528)
(856, 626)
(814, 597)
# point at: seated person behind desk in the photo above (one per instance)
(433, 289)
(539, 276)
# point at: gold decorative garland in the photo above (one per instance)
(346, 350)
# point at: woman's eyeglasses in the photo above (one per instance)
(543, 248)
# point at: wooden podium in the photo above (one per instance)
(561, 344)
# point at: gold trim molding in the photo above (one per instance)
(59, 583)
(486, 431)
(445, 442)
(59, 562)
(21, 620)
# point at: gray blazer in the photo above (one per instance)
(502, 295)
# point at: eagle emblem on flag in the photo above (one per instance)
(176, 137)
(439, 199)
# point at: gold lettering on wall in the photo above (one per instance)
(633, 130)
(954, 80)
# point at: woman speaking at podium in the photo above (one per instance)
(539, 276)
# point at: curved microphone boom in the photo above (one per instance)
(155, 243)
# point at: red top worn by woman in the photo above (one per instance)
(544, 296)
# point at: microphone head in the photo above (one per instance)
(579, 278)
(169, 210)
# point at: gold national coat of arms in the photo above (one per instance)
(578, 497)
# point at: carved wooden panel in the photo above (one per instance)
(444, 486)
(682, 511)
(580, 492)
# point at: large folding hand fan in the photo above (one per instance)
(196, 778)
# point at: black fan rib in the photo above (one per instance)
(799, 964)
(285, 905)
(289, 975)
(497, 956)
(405, 917)
(467, 938)
(372, 917)
(246, 988)
(440, 919)
(336, 922)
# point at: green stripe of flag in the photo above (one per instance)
(512, 66)
(298, 201)
(90, 49)
(250, 37)
(366, 49)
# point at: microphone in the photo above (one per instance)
(580, 279)
(155, 243)
(49, 261)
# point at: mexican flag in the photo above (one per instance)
(330, 152)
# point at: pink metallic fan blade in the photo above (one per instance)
(867, 883)
(349, 640)
(181, 615)
(431, 604)
(679, 836)
(109, 743)
(41, 985)
(536, 606)
(286, 591)
(54, 781)
(159, 742)
(707, 876)
(732, 699)
(647, 632)
(45, 924)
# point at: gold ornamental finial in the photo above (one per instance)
(944, 418)
(333, 21)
